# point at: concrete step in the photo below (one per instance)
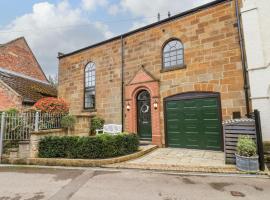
(145, 142)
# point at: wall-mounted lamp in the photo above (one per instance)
(128, 107)
(155, 104)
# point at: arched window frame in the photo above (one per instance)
(177, 65)
(89, 85)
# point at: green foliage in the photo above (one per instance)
(68, 121)
(101, 146)
(96, 123)
(11, 111)
(246, 146)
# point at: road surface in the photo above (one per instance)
(32, 183)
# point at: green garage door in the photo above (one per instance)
(194, 123)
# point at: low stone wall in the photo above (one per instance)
(37, 136)
(81, 162)
(82, 126)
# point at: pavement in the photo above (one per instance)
(60, 183)
(180, 156)
(180, 160)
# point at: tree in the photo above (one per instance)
(53, 80)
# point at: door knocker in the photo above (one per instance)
(144, 108)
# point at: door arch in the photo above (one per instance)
(144, 126)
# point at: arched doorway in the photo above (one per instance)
(144, 115)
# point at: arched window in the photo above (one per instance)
(89, 85)
(173, 54)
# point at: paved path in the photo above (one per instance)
(86, 184)
(177, 156)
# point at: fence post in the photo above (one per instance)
(36, 121)
(2, 134)
(259, 139)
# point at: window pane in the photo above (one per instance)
(89, 90)
(179, 62)
(173, 63)
(90, 99)
(173, 54)
(173, 58)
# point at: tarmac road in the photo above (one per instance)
(35, 183)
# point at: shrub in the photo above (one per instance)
(96, 123)
(101, 146)
(12, 111)
(246, 146)
(68, 121)
(52, 105)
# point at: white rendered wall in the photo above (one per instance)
(256, 28)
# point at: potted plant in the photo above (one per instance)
(96, 123)
(246, 156)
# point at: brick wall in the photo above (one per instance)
(8, 98)
(18, 57)
(212, 59)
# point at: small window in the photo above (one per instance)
(173, 55)
(89, 85)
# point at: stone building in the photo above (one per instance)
(22, 80)
(172, 82)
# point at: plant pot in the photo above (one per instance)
(248, 164)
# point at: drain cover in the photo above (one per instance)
(237, 194)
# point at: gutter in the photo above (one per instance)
(243, 57)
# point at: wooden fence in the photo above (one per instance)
(232, 130)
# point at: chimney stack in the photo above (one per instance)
(158, 17)
(169, 14)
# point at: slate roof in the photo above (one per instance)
(30, 89)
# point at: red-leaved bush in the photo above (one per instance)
(52, 105)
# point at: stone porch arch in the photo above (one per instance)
(143, 80)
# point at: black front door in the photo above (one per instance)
(144, 115)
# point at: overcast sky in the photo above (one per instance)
(54, 26)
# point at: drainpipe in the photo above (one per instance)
(243, 57)
(122, 82)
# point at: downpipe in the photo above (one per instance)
(243, 57)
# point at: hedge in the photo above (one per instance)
(101, 146)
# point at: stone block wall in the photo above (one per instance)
(211, 55)
(37, 136)
(108, 81)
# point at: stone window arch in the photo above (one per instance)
(173, 54)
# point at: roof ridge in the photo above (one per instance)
(11, 41)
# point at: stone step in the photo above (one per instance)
(144, 142)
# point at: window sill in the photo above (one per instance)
(173, 68)
(89, 110)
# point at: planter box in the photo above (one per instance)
(249, 164)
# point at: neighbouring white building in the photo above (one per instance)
(256, 28)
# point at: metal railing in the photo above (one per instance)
(18, 126)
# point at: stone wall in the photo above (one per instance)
(82, 126)
(212, 58)
(37, 136)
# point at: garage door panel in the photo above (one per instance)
(194, 123)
